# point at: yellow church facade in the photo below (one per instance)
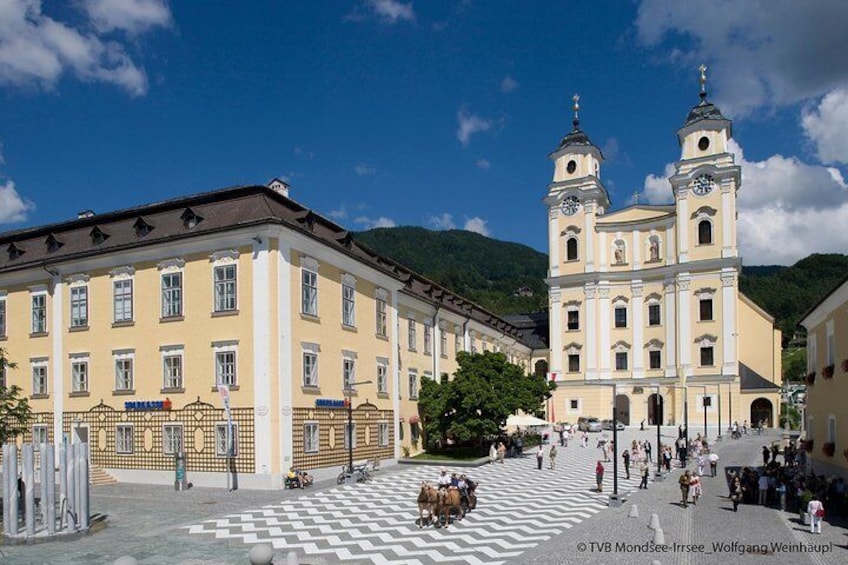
(130, 328)
(645, 312)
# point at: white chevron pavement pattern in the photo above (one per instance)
(518, 508)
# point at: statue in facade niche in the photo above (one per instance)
(619, 253)
(655, 250)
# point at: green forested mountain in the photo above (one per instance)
(489, 272)
(484, 270)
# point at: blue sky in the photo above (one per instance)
(438, 114)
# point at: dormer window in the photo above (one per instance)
(52, 243)
(98, 236)
(190, 219)
(14, 252)
(141, 227)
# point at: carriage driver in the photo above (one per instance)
(444, 480)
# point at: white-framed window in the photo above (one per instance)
(707, 356)
(310, 364)
(654, 359)
(571, 248)
(812, 351)
(124, 369)
(428, 339)
(705, 309)
(348, 300)
(621, 316)
(122, 300)
(39, 377)
(473, 341)
(124, 439)
(172, 295)
(412, 334)
(348, 430)
(309, 286)
(310, 437)
(172, 367)
(225, 444)
(2, 314)
(573, 362)
(226, 288)
(382, 375)
(79, 306)
(443, 341)
(79, 373)
(705, 232)
(620, 360)
(830, 343)
(39, 312)
(348, 371)
(573, 318)
(383, 434)
(654, 310)
(381, 314)
(573, 405)
(413, 384)
(39, 434)
(3, 376)
(172, 439)
(225, 368)
(457, 340)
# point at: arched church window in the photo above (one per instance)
(571, 249)
(705, 232)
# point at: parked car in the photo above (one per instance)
(589, 424)
(607, 425)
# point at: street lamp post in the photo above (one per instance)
(614, 500)
(685, 419)
(718, 435)
(348, 392)
(658, 407)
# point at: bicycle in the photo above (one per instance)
(360, 473)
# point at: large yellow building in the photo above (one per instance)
(129, 327)
(646, 298)
(827, 382)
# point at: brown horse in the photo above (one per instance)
(427, 498)
(448, 500)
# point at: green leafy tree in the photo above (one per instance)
(794, 364)
(474, 405)
(15, 410)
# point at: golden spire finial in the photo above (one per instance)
(703, 70)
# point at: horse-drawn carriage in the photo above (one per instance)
(441, 502)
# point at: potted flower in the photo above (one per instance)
(827, 372)
(810, 378)
(808, 445)
(829, 448)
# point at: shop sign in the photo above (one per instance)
(147, 405)
(330, 403)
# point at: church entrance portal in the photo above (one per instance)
(761, 410)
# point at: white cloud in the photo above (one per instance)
(364, 170)
(483, 164)
(13, 207)
(133, 16)
(338, 214)
(787, 208)
(763, 53)
(611, 150)
(443, 221)
(371, 223)
(302, 153)
(827, 126)
(469, 124)
(477, 225)
(386, 11)
(35, 50)
(508, 84)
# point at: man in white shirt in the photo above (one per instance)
(444, 479)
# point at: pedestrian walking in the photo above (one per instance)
(643, 472)
(815, 509)
(584, 440)
(493, 454)
(713, 463)
(647, 447)
(745, 427)
(519, 446)
(684, 481)
(599, 475)
(562, 437)
(540, 455)
(501, 452)
(702, 462)
(766, 455)
(553, 455)
(626, 457)
(695, 488)
(781, 493)
(736, 493)
(762, 484)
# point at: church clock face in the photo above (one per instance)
(570, 205)
(703, 185)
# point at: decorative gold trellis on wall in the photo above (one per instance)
(198, 421)
(331, 428)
